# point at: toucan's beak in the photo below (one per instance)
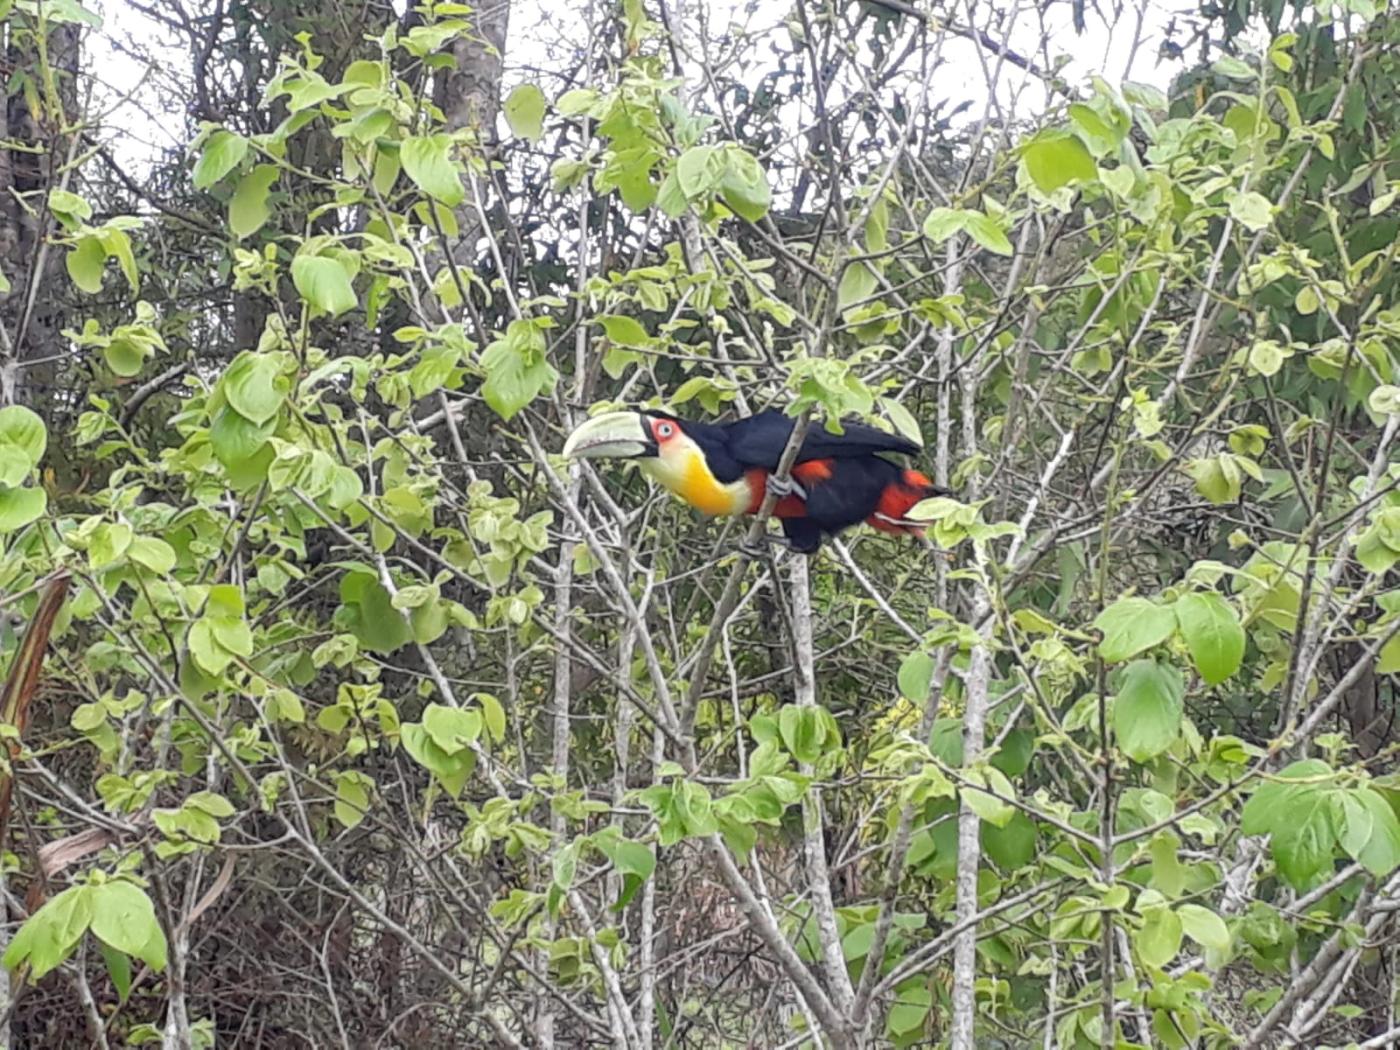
(613, 435)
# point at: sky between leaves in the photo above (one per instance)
(1121, 42)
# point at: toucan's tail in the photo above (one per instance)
(899, 498)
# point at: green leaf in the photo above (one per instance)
(989, 807)
(1213, 635)
(1057, 158)
(427, 159)
(1132, 625)
(86, 262)
(1234, 68)
(1388, 659)
(209, 655)
(324, 283)
(429, 622)
(1160, 937)
(1266, 356)
(516, 372)
(69, 208)
(946, 741)
(1252, 210)
(1384, 400)
(699, 170)
(117, 245)
(125, 357)
(233, 635)
(1011, 846)
(1014, 755)
(309, 89)
(628, 856)
(493, 715)
(247, 208)
(1380, 852)
(565, 865)
(152, 553)
(1204, 927)
(670, 198)
(942, 223)
(1098, 134)
(916, 676)
(694, 809)
(904, 422)
(236, 440)
(109, 541)
(1168, 875)
(634, 861)
(987, 232)
(1302, 847)
(1217, 477)
(351, 797)
(223, 151)
(49, 936)
(858, 282)
(255, 385)
(1148, 708)
(1378, 547)
(118, 968)
(22, 430)
(1357, 822)
(624, 331)
(910, 1010)
(576, 102)
(803, 732)
(524, 109)
(370, 615)
(745, 186)
(14, 465)
(1270, 806)
(451, 771)
(451, 728)
(856, 944)
(19, 507)
(124, 918)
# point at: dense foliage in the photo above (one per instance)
(342, 711)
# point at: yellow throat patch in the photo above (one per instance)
(685, 473)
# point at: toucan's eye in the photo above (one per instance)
(665, 430)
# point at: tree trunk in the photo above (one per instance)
(29, 312)
(469, 95)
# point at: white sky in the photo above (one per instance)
(144, 124)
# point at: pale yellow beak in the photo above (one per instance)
(613, 435)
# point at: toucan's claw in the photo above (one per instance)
(781, 488)
(753, 551)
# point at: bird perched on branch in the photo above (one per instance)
(837, 481)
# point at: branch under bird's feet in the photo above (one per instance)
(764, 547)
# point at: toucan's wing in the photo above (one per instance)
(758, 441)
(839, 493)
(857, 439)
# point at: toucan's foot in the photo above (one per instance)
(754, 551)
(781, 488)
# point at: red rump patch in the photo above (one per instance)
(897, 500)
(813, 470)
(788, 506)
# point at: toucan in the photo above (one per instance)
(837, 481)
